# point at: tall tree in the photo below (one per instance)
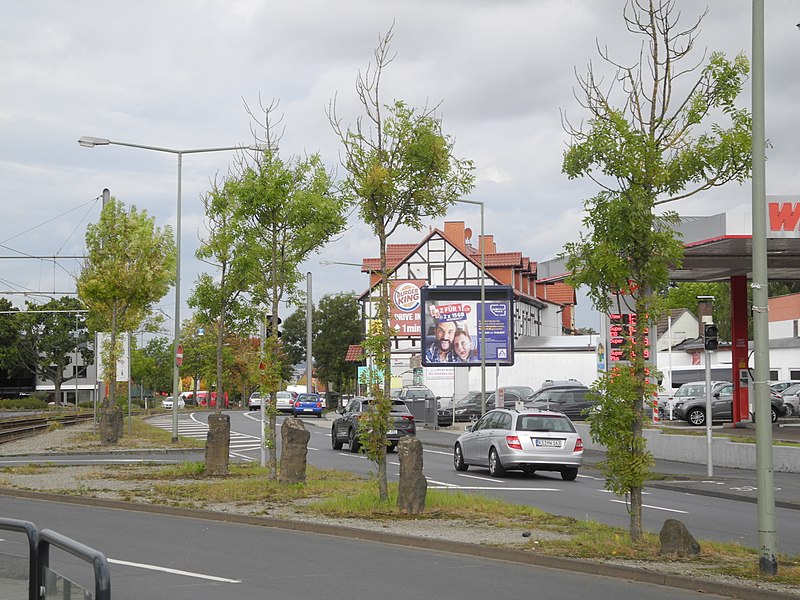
(400, 170)
(338, 325)
(295, 334)
(644, 145)
(129, 267)
(51, 335)
(289, 209)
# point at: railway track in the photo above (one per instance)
(19, 428)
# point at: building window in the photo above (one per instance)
(436, 276)
(794, 373)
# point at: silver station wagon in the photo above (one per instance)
(530, 441)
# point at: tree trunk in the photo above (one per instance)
(383, 309)
(111, 421)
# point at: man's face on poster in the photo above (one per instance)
(445, 332)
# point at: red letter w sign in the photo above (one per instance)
(783, 217)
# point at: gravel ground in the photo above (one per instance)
(92, 481)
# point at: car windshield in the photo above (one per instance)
(470, 398)
(284, 395)
(792, 390)
(687, 390)
(544, 423)
(397, 406)
(307, 398)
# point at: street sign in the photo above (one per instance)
(179, 355)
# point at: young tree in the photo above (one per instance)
(651, 147)
(51, 334)
(223, 300)
(10, 331)
(289, 210)
(400, 170)
(130, 266)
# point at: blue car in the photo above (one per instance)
(307, 404)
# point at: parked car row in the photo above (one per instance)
(291, 402)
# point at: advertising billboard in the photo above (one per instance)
(455, 322)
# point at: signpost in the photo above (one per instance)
(179, 355)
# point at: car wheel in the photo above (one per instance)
(336, 443)
(696, 416)
(495, 466)
(774, 414)
(391, 448)
(569, 474)
(353, 442)
(458, 459)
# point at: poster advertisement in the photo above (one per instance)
(460, 330)
(404, 315)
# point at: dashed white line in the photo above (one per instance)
(481, 478)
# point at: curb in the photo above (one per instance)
(462, 548)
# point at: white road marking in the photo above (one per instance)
(488, 487)
(481, 478)
(438, 452)
(683, 512)
(604, 491)
(172, 571)
(49, 460)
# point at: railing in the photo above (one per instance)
(44, 583)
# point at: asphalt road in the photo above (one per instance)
(177, 558)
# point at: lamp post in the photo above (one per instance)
(91, 142)
(483, 310)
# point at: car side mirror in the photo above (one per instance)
(716, 394)
(340, 409)
(468, 427)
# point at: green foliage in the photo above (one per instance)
(294, 335)
(337, 324)
(22, 404)
(684, 295)
(627, 463)
(151, 366)
(9, 335)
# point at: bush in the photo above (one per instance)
(23, 404)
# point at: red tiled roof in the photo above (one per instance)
(355, 353)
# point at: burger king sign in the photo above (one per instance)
(405, 311)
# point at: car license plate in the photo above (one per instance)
(392, 432)
(308, 410)
(547, 443)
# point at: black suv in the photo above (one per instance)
(345, 427)
(468, 408)
(574, 400)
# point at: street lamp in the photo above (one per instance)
(91, 142)
(483, 310)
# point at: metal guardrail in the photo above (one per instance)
(39, 544)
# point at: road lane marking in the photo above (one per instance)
(172, 571)
(438, 452)
(481, 478)
(683, 512)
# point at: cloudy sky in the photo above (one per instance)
(176, 74)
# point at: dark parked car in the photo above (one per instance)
(574, 400)
(345, 428)
(415, 392)
(690, 402)
(469, 407)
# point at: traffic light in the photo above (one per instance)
(710, 340)
(268, 326)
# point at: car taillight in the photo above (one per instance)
(319, 404)
(578, 445)
(513, 442)
(408, 418)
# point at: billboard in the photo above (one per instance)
(459, 330)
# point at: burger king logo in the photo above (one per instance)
(406, 297)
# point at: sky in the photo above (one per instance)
(177, 74)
